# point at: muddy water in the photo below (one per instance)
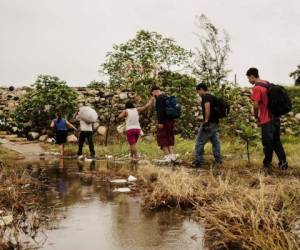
(92, 216)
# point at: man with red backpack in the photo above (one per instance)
(270, 102)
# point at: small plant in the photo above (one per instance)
(248, 134)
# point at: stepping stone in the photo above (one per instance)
(122, 190)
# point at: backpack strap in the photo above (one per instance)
(264, 85)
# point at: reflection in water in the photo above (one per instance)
(97, 218)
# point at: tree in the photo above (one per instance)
(211, 57)
(39, 105)
(130, 64)
(296, 75)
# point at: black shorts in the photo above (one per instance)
(61, 137)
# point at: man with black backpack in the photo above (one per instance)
(211, 109)
(167, 110)
(270, 102)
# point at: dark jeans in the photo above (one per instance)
(270, 134)
(83, 135)
(203, 137)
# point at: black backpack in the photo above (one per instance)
(173, 108)
(279, 102)
(221, 108)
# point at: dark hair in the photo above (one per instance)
(129, 105)
(202, 86)
(154, 88)
(59, 115)
(252, 72)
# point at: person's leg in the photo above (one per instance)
(216, 145)
(201, 140)
(91, 143)
(133, 151)
(267, 135)
(172, 141)
(61, 147)
(80, 142)
(278, 148)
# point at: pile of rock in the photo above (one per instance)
(110, 104)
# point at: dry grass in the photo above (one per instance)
(21, 192)
(240, 209)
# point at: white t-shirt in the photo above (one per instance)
(132, 119)
(84, 126)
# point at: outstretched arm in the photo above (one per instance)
(146, 106)
(123, 114)
(71, 125)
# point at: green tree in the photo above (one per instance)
(212, 55)
(130, 64)
(296, 75)
(48, 95)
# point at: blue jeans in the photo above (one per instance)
(203, 137)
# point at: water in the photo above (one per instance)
(94, 217)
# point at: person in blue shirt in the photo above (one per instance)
(61, 131)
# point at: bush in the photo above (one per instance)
(39, 105)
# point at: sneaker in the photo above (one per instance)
(166, 159)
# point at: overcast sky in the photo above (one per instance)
(69, 38)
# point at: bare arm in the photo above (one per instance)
(146, 106)
(123, 114)
(255, 107)
(207, 112)
(52, 125)
(71, 125)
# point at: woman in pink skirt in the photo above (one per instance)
(133, 127)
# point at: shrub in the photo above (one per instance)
(39, 105)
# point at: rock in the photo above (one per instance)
(118, 181)
(131, 178)
(11, 88)
(33, 135)
(102, 130)
(43, 138)
(72, 139)
(122, 190)
(297, 116)
(14, 129)
(123, 95)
